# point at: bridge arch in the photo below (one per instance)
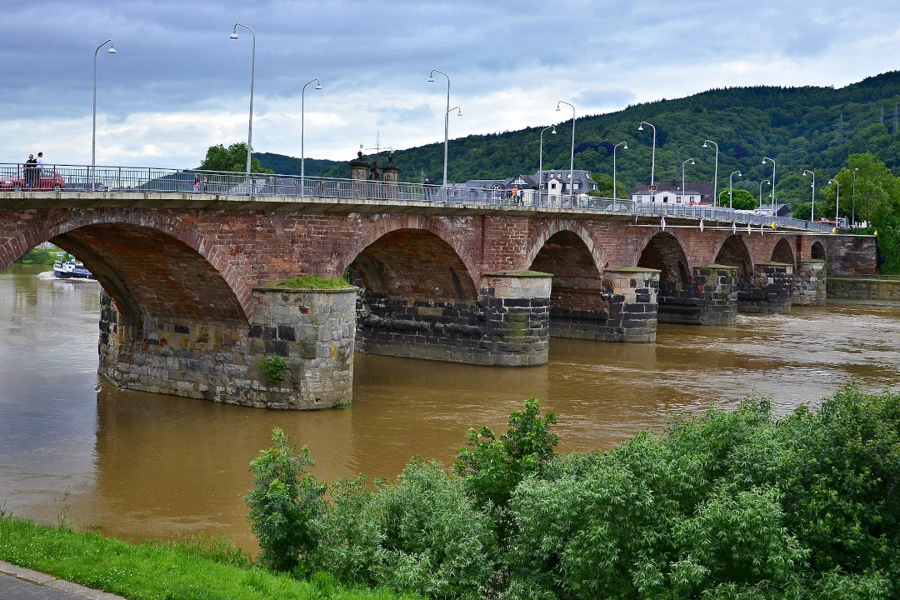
(414, 265)
(382, 233)
(734, 252)
(783, 253)
(157, 266)
(817, 250)
(565, 233)
(664, 252)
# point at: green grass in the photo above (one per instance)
(310, 282)
(198, 569)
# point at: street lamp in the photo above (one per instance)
(541, 157)
(731, 188)
(234, 36)
(716, 174)
(652, 159)
(765, 158)
(812, 204)
(112, 50)
(690, 160)
(615, 194)
(302, 132)
(572, 157)
(446, 118)
(853, 198)
(760, 191)
(837, 200)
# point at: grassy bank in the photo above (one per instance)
(39, 256)
(186, 571)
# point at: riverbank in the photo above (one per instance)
(187, 570)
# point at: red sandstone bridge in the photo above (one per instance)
(185, 258)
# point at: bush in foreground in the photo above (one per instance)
(732, 504)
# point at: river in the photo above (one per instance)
(136, 465)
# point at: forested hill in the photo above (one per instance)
(813, 128)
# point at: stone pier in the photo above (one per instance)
(508, 326)
(810, 283)
(771, 290)
(709, 299)
(311, 331)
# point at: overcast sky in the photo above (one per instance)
(177, 84)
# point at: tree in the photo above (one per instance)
(232, 159)
(284, 503)
(494, 467)
(743, 200)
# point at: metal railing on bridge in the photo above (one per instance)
(82, 178)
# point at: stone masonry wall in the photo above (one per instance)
(509, 326)
(312, 331)
(810, 283)
(850, 255)
(875, 291)
(771, 290)
(709, 299)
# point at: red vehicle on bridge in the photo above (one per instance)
(49, 180)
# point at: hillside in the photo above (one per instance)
(812, 128)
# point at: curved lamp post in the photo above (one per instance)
(446, 118)
(837, 200)
(690, 160)
(572, 157)
(615, 194)
(112, 50)
(302, 131)
(765, 158)
(716, 174)
(853, 199)
(812, 203)
(541, 158)
(652, 159)
(234, 36)
(731, 188)
(760, 190)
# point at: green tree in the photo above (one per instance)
(743, 200)
(492, 468)
(232, 159)
(877, 191)
(283, 504)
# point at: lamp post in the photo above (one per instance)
(234, 36)
(731, 188)
(812, 203)
(615, 190)
(837, 200)
(760, 191)
(853, 199)
(765, 158)
(716, 174)
(690, 160)
(302, 132)
(541, 158)
(446, 118)
(572, 157)
(652, 159)
(112, 50)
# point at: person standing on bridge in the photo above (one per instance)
(39, 169)
(29, 171)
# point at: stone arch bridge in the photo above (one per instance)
(186, 310)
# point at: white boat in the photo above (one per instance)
(71, 269)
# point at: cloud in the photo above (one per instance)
(178, 84)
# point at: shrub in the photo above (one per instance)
(284, 502)
(274, 366)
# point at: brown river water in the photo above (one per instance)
(136, 465)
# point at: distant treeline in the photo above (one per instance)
(815, 128)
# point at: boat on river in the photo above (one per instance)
(71, 269)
